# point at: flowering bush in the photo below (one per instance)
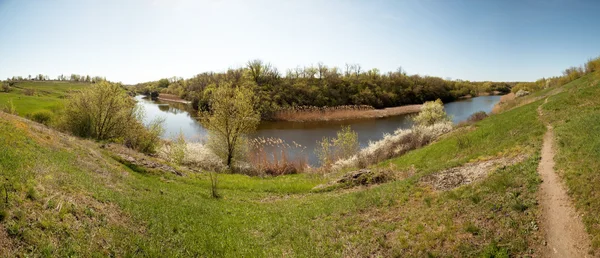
(396, 144)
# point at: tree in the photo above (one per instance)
(163, 83)
(232, 115)
(432, 112)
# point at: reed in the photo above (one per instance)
(272, 156)
(312, 113)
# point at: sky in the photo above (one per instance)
(144, 40)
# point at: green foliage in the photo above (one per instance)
(3, 214)
(431, 113)
(178, 149)
(42, 116)
(343, 146)
(5, 87)
(321, 86)
(232, 117)
(105, 112)
(9, 107)
(593, 65)
(163, 83)
(324, 151)
(346, 143)
(142, 138)
(102, 112)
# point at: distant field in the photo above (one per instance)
(29, 97)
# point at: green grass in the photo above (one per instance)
(70, 197)
(575, 116)
(47, 95)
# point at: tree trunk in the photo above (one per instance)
(229, 157)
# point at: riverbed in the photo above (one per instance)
(180, 117)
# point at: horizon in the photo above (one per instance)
(141, 41)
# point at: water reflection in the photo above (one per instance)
(177, 118)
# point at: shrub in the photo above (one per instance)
(179, 147)
(10, 107)
(346, 143)
(5, 87)
(103, 112)
(29, 92)
(175, 151)
(42, 116)
(324, 151)
(592, 65)
(477, 116)
(463, 141)
(196, 155)
(3, 215)
(396, 144)
(142, 138)
(432, 112)
(343, 146)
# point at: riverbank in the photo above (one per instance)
(343, 114)
(172, 98)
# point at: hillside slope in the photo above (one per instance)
(70, 196)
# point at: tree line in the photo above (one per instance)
(62, 77)
(321, 86)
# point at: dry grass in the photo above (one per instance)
(503, 100)
(272, 156)
(309, 113)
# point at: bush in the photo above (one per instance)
(324, 151)
(432, 112)
(478, 116)
(145, 139)
(42, 116)
(344, 146)
(592, 65)
(393, 145)
(10, 107)
(175, 151)
(105, 112)
(463, 141)
(5, 87)
(29, 92)
(346, 143)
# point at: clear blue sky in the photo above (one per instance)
(135, 41)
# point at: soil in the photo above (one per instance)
(564, 231)
(468, 173)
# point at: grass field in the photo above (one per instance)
(68, 196)
(44, 95)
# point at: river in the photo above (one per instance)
(178, 118)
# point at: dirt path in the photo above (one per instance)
(564, 232)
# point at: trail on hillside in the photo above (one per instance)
(564, 232)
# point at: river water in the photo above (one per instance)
(179, 118)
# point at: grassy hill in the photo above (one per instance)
(31, 96)
(63, 196)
